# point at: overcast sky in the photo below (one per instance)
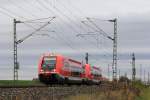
(133, 33)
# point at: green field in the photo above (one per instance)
(19, 83)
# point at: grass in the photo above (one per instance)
(121, 94)
(138, 91)
(104, 95)
(144, 95)
(19, 82)
(144, 91)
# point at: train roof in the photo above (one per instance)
(56, 54)
(95, 67)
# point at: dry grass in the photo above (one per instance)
(105, 95)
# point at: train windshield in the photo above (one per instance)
(49, 63)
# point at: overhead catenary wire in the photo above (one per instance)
(78, 10)
(90, 26)
(15, 15)
(33, 28)
(81, 13)
(74, 29)
(67, 42)
(22, 17)
(8, 15)
(21, 40)
(21, 7)
(12, 13)
(26, 21)
(59, 12)
(32, 4)
(100, 30)
(48, 9)
(73, 16)
(31, 21)
(42, 4)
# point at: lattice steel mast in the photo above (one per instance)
(114, 39)
(114, 65)
(16, 64)
(16, 42)
(133, 67)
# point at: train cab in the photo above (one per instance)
(59, 69)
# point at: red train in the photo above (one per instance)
(59, 69)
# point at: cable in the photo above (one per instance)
(21, 7)
(100, 30)
(78, 10)
(59, 12)
(12, 12)
(30, 26)
(81, 12)
(55, 8)
(88, 25)
(21, 40)
(27, 20)
(42, 4)
(37, 19)
(66, 42)
(31, 21)
(74, 16)
(6, 14)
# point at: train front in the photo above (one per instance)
(47, 69)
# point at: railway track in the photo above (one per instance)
(53, 85)
(51, 92)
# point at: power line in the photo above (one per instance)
(80, 11)
(6, 14)
(31, 21)
(63, 14)
(26, 21)
(74, 16)
(32, 27)
(33, 4)
(100, 30)
(88, 26)
(60, 13)
(21, 7)
(42, 4)
(21, 40)
(16, 42)
(12, 12)
(67, 42)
